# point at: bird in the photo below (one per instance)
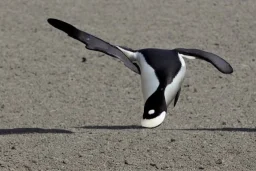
(162, 71)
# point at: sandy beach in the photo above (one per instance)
(58, 113)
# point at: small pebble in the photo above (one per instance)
(154, 165)
(84, 59)
(219, 161)
(173, 140)
(33, 161)
(64, 162)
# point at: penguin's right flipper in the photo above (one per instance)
(222, 65)
(93, 43)
(177, 97)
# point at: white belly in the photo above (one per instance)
(149, 80)
(172, 89)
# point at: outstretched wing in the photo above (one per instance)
(92, 42)
(222, 65)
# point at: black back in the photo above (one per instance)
(166, 63)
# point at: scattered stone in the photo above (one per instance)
(126, 162)
(164, 167)
(84, 59)
(201, 168)
(64, 161)
(253, 60)
(13, 148)
(216, 44)
(2, 164)
(28, 167)
(224, 123)
(219, 161)
(173, 140)
(153, 165)
(33, 161)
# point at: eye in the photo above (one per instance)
(151, 111)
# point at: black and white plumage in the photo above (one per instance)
(162, 71)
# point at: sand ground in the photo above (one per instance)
(58, 113)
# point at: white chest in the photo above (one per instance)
(149, 80)
(172, 89)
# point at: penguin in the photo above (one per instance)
(162, 71)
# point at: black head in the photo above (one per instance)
(155, 109)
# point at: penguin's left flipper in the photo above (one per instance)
(93, 43)
(222, 65)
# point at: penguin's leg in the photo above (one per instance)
(93, 43)
(222, 65)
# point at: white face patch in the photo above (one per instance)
(154, 122)
(151, 112)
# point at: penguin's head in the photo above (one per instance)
(155, 109)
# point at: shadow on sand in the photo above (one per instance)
(33, 131)
(227, 129)
(112, 127)
(130, 127)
